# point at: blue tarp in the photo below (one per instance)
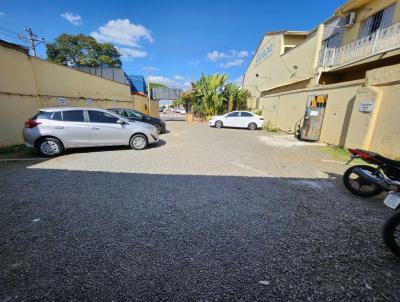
(138, 84)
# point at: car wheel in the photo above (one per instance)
(219, 124)
(158, 127)
(252, 126)
(50, 147)
(138, 142)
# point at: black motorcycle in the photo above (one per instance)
(383, 174)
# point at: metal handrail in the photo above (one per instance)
(384, 39)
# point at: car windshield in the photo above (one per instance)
(134, 114)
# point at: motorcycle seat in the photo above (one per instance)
(389, 161)
(381, 158)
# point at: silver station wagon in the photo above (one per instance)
(53, 130)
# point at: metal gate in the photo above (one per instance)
(313, 118)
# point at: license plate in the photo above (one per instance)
(392, 200)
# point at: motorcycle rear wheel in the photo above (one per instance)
(391, 234)
(356, 185)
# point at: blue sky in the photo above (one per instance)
(178, 39)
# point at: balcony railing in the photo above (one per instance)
(384, 39)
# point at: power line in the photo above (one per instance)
(9, 31)
(32, 39)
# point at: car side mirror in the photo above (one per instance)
(121, 122)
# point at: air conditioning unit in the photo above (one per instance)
(350, 19)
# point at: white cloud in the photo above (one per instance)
(123, 32)
(179, 77)
(232, 63)
(238, 80)
(71, 18)
(195, 63)
(160, 80)
(216, 56)
(151, 68)
(126, 52)
(175, 82)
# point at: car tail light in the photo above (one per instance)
(31, 123)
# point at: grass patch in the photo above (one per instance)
(269, 128)
(16, 151)
(339, 154)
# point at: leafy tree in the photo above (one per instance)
(211, 95)
(209, 89)
(157, 85)
(82, 50)
(235, 96)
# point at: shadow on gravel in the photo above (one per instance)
(160, 143)
(79, 235)
(243, 129)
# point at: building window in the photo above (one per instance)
(378, 20)
(333, 41)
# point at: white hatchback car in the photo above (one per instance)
(52, 130)
(238, 119)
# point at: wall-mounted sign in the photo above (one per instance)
(264, 52)
(61, 101)
(89, 102)
(366, 107)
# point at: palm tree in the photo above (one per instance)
(208, 89)
(211, 95)
(235, 96)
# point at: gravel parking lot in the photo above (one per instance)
(207, 214)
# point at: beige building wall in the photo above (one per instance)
(378, 130)
(283, 111)
(279, 68)
(57, 80)
(141, 104)
(27, 84)
(364, 9)
(344, 123)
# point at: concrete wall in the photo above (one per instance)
(284, 110)
(142, 103)
(27, 84)
(344, 123)
(378, 130)
(57, 80)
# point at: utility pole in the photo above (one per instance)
(148, 87)
(32, 39)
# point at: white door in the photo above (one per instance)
(245, 119)
(105, 131)
(232, 119)
(71, 128)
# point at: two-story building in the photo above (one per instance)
(340, 84)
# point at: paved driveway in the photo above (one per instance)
(205, 215)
